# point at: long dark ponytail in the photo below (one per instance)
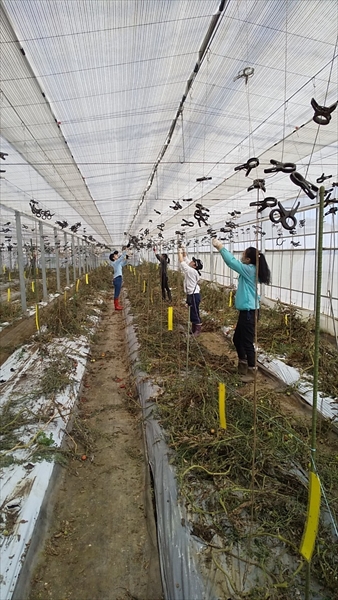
(264, 275)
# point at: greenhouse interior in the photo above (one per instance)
(169, 300)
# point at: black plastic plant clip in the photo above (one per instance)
(186, 223)
(245, 73)
(263, 204)
(203, 178)
(322, 178)
(258, 184)
(328, 200)
(285, 217)
(251, 163)
(279, 167)
(322, 114)
(201, 215)
(309, 188)
(176, 206)
(332, 211)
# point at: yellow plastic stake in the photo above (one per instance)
(230, 299)
(130, 268)
(170, 318)
(4, 268)
(87, 280)
(134, 271)
(37, 270)
(77, 285)
(311, 528)
(144, 285)
(65, 296)
(221, 405)
(286, 319)
(37, 317)
(33, 286)
(8, 294)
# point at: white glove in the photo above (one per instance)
(217, 244)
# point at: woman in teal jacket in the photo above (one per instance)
(246, 301)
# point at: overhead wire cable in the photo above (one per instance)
(161, 22)
(266, 120)
(213, 27)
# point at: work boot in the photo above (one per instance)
(117, 304)
(198, 328)
(242, 367)
(250, 375)
(193, 328)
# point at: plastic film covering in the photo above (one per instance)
(178, 549)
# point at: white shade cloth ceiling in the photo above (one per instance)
(90, 90)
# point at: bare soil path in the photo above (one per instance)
(101, 543)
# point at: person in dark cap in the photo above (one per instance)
(164, 261)
(118, 262)
(192, 272)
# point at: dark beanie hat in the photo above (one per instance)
(198, 263)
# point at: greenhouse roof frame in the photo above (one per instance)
(110, 111)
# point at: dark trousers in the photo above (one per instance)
(165, 287)
(193, 300)
(244, 336)
(117, 281)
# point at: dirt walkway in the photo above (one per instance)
(101, 544)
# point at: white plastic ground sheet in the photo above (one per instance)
(303, 384)
(31, 310)
(24, 482)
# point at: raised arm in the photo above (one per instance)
(229, 259)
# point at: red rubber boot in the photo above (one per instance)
(117, 304)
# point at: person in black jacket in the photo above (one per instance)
(164, 261)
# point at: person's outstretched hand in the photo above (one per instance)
(217, 244)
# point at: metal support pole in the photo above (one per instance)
(79, 256)
(318, 279)
(212, 257)
(85, 251)
(262, 287)
(20, 262)
(231, 244)
(43, 263)
(66, 257)
(73, 259)
(90, 257)
(57, 260)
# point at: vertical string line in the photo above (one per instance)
(285, 74)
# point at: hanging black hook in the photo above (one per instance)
(322, 114)
(250, 164)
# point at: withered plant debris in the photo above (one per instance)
(248, 484)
